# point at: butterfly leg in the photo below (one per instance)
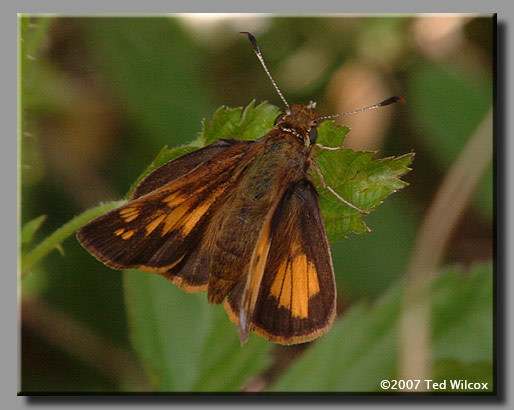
(324, 184)
(329, 148)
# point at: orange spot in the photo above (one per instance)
(154, 224)
(118, 232)
(300, 300)
(128, 234)
(276, 286)
(174, 200)
(173, 220)
(184, 216)
(312, 279)
(129, 214)
(193, 218)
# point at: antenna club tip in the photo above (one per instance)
(252, 39)
(250, 35)
(391, 100)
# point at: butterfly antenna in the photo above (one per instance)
(390, 100)
(255, 47)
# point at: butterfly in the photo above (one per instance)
(239, 220)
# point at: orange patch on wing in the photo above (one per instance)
(129, 214)
(295, 282)
(174, 200)
(194, 217)
(300, 300)
(185, 216)
(128, 234)
(154, 224)
(312, 279)
(118, 232)
(174, 219)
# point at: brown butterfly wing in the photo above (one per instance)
(293, 299)
(163, 228)
(181, 166)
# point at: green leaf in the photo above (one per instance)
(226, 366)
(30, 228)
(236, 123)
(186, 344)
(362, 347)
(358, 178)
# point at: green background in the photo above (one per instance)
(100, 97)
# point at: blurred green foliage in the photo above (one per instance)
(100, 97)
(362, 348)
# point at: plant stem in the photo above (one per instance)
(435, 232)
(52, 241)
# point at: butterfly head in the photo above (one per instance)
(300, 121)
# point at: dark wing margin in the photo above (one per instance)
(162, 231)
(296, 299)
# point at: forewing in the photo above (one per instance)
(293, 296)
(181, 166)
(163, 228)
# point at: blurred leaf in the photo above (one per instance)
(226, 366)
(481, 372)
(153, 67)
(30, 228)
(361, 348)
(448, 104)
(462, 310)
(186, 344)
(354, 355)
(485, 194)
(366, 265)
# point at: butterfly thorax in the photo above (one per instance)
(298, 120)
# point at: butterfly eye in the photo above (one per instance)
(313, 135)
(277, 120)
